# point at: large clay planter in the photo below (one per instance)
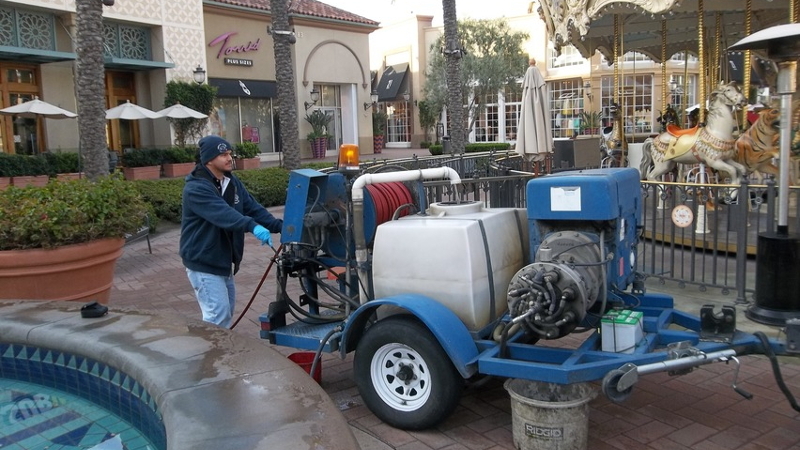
(319, 147)
(246, 163)
(30, 180)
(142, 173)
(80, 272)
(377, 143)
(174, 170)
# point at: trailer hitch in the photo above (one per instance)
(618, 384)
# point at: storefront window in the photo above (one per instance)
(513, 106)
(487, 123)
(566, 105)
(636, 102)
(244, 120)
(398, 126)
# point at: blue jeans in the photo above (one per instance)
(216, 295)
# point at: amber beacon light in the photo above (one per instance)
(348, 157)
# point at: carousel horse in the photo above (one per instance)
(758, 145)
(612, 142)
(712, 144)
(669, 116)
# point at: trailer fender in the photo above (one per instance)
(448, 329)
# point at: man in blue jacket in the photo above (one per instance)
(217, 211)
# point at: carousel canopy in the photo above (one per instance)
(588, 25)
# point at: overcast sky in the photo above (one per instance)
(388, 11)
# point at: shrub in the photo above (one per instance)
(178, 155)
(69, 212)
(246, 150)
(379, 119)
(10, 165)
(267, 186)
(164, 196)
(63, 162)
(438, 149)
(142, 157)
(23, 165)
(319, 120)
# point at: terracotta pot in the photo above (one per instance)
(142, 173)
(38, 180)
(79, 272)
(173, 170)
(246, 163)
(69, 176)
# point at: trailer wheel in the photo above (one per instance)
(404, 376)
(610, 384)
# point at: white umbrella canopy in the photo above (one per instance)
(178, 111)
(36, 108)
(534, 137)
(131, 111)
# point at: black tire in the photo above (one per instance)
(611, 384)
(399, 348)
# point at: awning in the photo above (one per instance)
(32, 55)
(761, 70)
(244, 88)
(392, 80)
(134, 64)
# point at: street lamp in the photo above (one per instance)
(314, 99)
(374, 100)
(199, 75)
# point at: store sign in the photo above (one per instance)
(238, 62)
(228, 47)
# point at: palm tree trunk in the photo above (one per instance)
(90, 87)
(455, 100)
(284, 76)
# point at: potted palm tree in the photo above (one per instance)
(590, 122)
(379, 119)
(318, 138)
(61, 241)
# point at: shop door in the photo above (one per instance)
(24, 129)
(335, 129)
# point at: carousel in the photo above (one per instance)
(741, 131)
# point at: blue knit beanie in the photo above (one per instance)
(211, 147)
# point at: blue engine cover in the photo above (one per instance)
(573, 200)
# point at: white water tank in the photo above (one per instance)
(462, 255)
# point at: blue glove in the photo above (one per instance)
(263, 235)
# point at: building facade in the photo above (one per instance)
(151, 42)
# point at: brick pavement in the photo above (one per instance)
(694, 411)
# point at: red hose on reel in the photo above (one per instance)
(387, 198)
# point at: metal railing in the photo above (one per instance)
(715, 250)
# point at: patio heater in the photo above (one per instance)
(777, 296)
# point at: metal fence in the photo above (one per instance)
(715, 249)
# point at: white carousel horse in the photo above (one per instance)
(712, 145)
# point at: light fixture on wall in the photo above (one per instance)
(374, 98)
(199, 75)
(108, 2)
(587, 88)
(314, 98)
(406, 96)
(292, 38)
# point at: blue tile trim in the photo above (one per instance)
(95, 381)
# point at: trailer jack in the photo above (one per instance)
(618, 383)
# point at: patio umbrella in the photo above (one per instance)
(178, 111)
(37, 109)
(131, 111)
(534, 137)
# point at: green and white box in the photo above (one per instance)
(621, 331)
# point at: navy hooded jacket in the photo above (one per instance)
(212, 229)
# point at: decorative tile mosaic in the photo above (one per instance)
(77, 378)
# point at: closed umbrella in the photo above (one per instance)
(534, 137)
(131, 111)
(178, 111)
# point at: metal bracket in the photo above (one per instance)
(793, 336)
(717, 326)
(679, 350)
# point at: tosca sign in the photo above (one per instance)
(229, 49)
